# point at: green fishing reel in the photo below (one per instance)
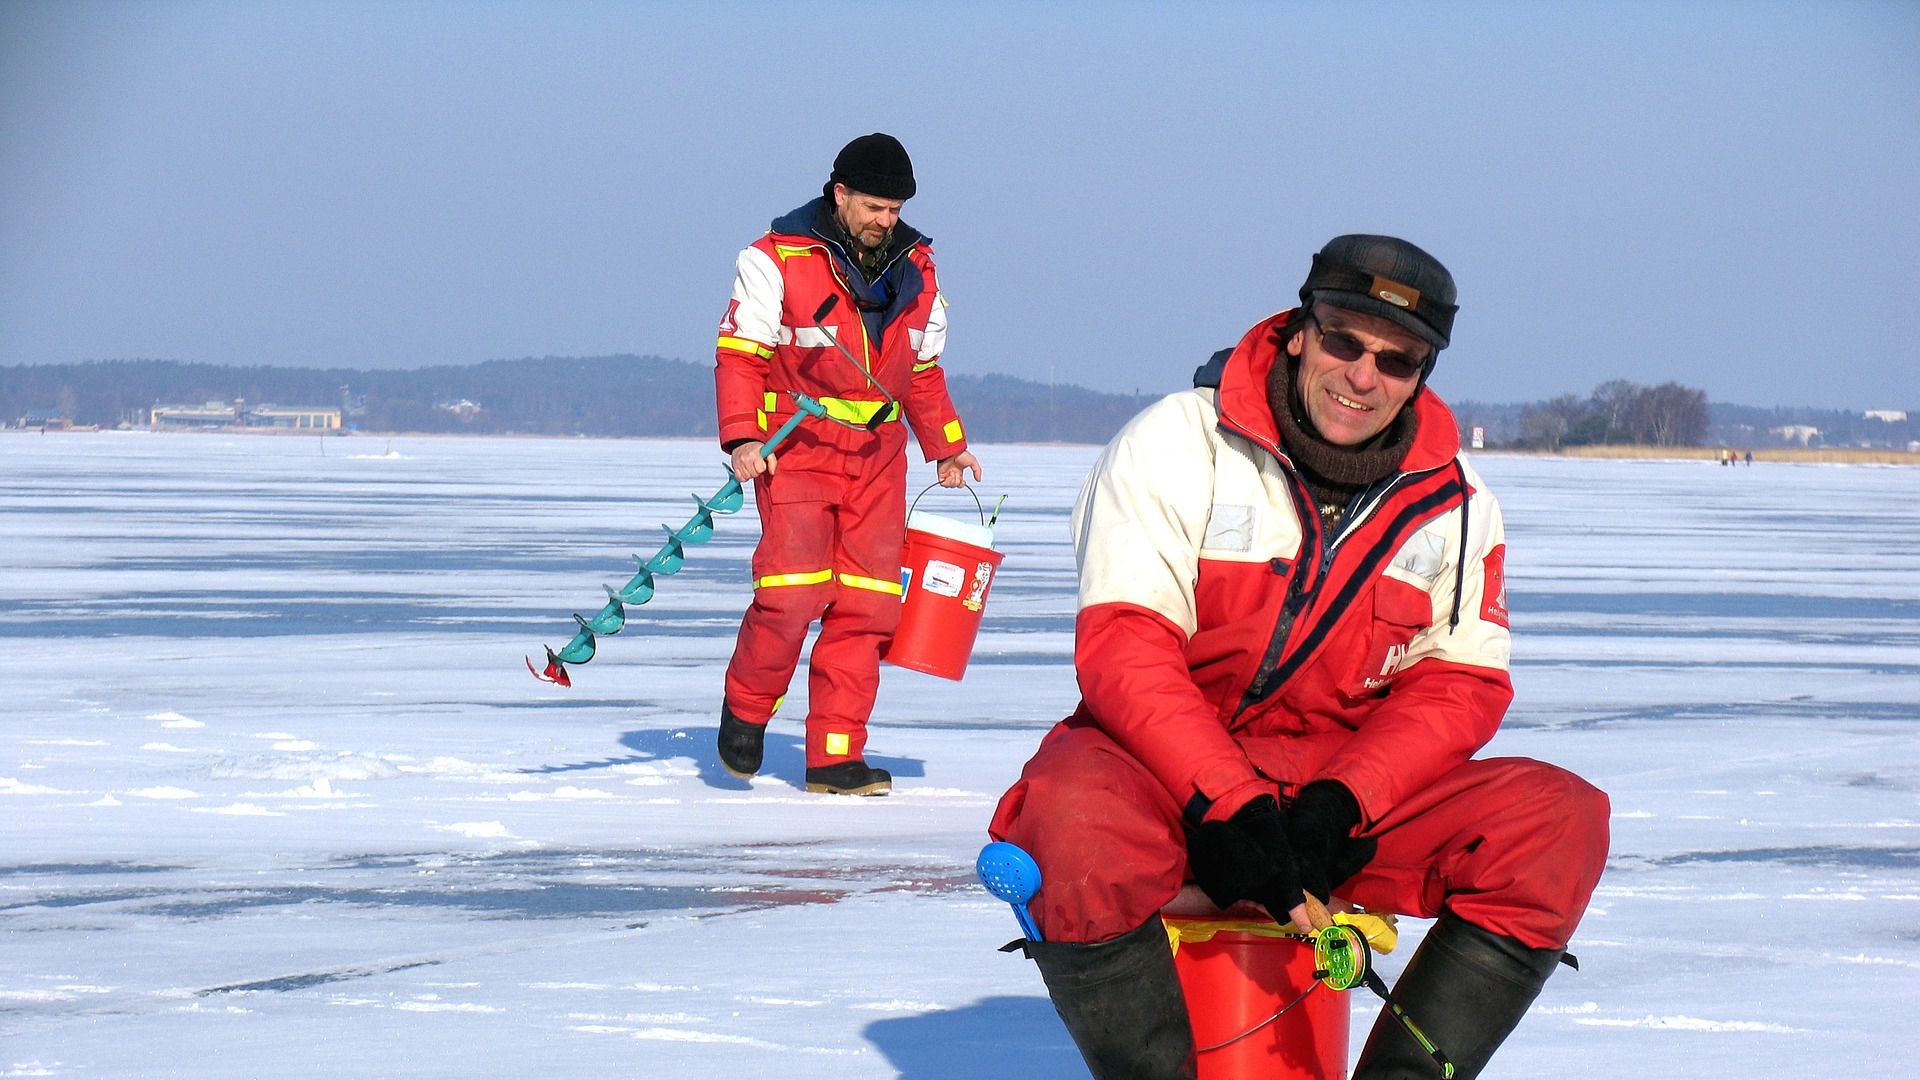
(1341, 958)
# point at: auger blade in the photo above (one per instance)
(556, 672)
(608, 620)
(699, 527)
(671, 556)
(640, 589)
(729, 499)
(580, 649)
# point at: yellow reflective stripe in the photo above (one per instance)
(875, 584)
(815, 578)
(746, 345)
(851, 412)
(951, 431)
(789, 251)
(925, 366)
(838, 743)
(760, 418)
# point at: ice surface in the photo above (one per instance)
(279, 798)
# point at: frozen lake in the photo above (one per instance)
(278, 798)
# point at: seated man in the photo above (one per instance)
(1292, 639)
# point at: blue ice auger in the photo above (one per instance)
(668, 560)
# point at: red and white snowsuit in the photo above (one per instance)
(1226, 649)
(833, 512)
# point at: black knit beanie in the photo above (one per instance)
(874, 165)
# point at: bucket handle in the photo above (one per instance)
(977, 506)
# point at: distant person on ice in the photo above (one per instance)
(832, 500)
(1292, 639)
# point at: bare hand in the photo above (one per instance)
(748, 462)
(953, 470)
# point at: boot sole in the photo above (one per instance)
(738, 773)
(879, 787)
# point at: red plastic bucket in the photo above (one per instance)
(1234, 981)
(946, 570)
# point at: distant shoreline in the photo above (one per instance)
(1812, 455)
(1835, 455)
(338, 433)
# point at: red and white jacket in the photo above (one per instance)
(1228, 645)
(769, 344)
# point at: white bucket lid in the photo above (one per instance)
(966, 532)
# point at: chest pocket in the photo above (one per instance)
(1400, 612)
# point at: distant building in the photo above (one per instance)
(1891, 416)
(291, 416)
(464, 409)
(220, 414)
(46, 419)
(1804, 434)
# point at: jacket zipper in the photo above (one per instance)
(1321, 560)
(866, 341)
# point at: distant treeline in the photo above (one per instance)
(1620, 412)
(606, 396)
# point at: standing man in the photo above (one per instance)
(832, 501)
(1292, 639)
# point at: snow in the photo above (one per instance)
(281, 799)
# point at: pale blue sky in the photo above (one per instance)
(1720, 194)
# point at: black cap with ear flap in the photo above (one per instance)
(1387, 277)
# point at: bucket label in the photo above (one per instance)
(977, 595)
(943, 578)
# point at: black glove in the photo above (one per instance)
(1247, 857)
(1318, 824)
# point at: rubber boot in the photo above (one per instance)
(741, 744)
(1122, 1004)
(1466, 988)
(849, 778)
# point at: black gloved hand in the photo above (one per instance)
(1318, 824)
(1247, 857)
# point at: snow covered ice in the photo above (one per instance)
(280, 798)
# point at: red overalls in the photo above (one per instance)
(1227, 648)
(833, 511)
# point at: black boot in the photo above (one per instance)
(1466, 988)
(849, 778)
(1122, 1004)
(741, 744)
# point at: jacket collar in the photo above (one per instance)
(800, 222)
(1243, 404)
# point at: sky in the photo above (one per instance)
(1721, 195)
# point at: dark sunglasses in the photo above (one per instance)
(1345, 347)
